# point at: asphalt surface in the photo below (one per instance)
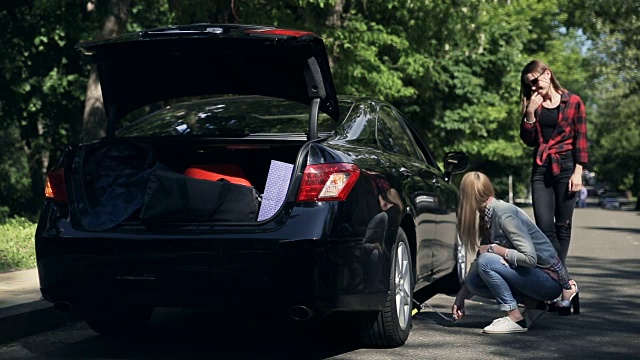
(604, 259)
(22, 310)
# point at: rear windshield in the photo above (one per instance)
(237, 116)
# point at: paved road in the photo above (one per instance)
(604, 259)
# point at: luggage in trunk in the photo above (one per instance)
(113, 182)
(172, 197)
(172, 183)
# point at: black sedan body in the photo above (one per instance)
(355, 214)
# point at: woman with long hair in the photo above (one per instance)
(515, 261)
(553, 122)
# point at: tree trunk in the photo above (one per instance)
(36, 155)
(334, 20)
(94, 120)
(36, 164)
(113, 16)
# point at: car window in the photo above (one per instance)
(393, 136)
(426, 153)
(231, 116)
(422, 149)
(359, 127)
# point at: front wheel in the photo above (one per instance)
(391, 326)
(461, 260)
(450, 284)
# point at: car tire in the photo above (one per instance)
(118, 321)
(462, 262)
(390, 327)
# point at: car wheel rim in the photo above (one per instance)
(462, 261)
(403, 285)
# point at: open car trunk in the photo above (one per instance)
(168, 183)
(193, 165)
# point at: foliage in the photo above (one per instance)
(42, 82)
(612, 30)
(16, 244)
(42, 86)
(452, 67)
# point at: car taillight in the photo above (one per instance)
(54, 188)
(324, 182)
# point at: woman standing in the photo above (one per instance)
(554, 123)
(515, 261)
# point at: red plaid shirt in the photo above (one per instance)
(569, 134)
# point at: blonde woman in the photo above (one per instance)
(515, 260)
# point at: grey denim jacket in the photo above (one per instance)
(512, 228)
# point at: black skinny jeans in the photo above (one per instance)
(553, 204)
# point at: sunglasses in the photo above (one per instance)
(534, 82)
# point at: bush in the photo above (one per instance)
(17, 245)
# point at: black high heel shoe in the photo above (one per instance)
(564, 306)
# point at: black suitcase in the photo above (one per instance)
(174, 198)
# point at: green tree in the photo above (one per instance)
(112, 18)
(613, 31)
(38, 96)
(451, 66)
(43, 82)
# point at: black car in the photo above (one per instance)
(231, 172)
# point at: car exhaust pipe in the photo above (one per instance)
(63, 306)
(300, 313)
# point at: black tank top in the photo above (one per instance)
(548, 121)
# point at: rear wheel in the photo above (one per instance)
(391, 326)
(117, 321)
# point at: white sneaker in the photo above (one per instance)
(503, 326)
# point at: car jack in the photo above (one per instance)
(419, 307)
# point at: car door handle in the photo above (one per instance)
(405, 171)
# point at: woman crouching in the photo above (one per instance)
(515, 262)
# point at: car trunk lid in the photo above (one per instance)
(196, 60)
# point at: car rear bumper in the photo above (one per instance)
(298, 277)
(322, 275)
(284, 262)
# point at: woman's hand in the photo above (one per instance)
(483, 249)
(534, 103)
(457, 310)
(575, 182)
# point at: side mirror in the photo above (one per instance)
(455, 162)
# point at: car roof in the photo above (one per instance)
(204, 59)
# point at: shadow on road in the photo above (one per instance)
(200, 334)
(607, 327)
(617, 229)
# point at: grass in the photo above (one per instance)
(17, 248)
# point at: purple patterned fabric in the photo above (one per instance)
(558, 271)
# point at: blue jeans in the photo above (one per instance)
(509, 283)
